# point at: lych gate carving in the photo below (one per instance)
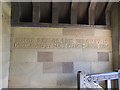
(61, 43)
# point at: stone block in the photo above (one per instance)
(18, 81)
(100, 67)
(25, 68)
(77, 32)
(45, 57)
(43, 80)
(103, 33)
(67, 81)
(85, 67)
(74, 55)
(23, 55)
(103, 56)
(97, 44)
(4, 81)
(67, 67)
(49, 67)
(35, 31)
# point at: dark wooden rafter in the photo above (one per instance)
(92, 13)
(45, 12)
(82, 13)
(74, 6)
(16, 12)
(108, 14)
(65, 12)
(36, 12)
(55, 12)
(100, 13)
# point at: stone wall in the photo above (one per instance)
(5, 30)
(115, 18)
(51, 57)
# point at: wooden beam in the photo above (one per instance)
(82, 12)
(74, 12)
(99, 13)
(108, 14)
(16, 12)
(92, 13)
(55, 12)
(36, 12)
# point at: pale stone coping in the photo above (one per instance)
(90, 27)
(36, 32)
(44, 31)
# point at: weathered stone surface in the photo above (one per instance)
(103, 33)
(116, 35)
(111, 60)
(18, 81)
(73, 56)
(36, 31)
(103, 56)
(50, 54)
(67, 67)
(21, 55)
(61, 43)
(5, 35)
(45, 56)
(21, 69)
(100, 67)
(66, 81)
(43, 80)
(85, 67)
(5, 70)
(49, 67)
(77, 32)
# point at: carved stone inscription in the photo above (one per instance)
(50, 43)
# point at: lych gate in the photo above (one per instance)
(41, 39)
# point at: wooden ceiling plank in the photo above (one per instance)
(36, 12)
(74, 6)
(92, 13)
